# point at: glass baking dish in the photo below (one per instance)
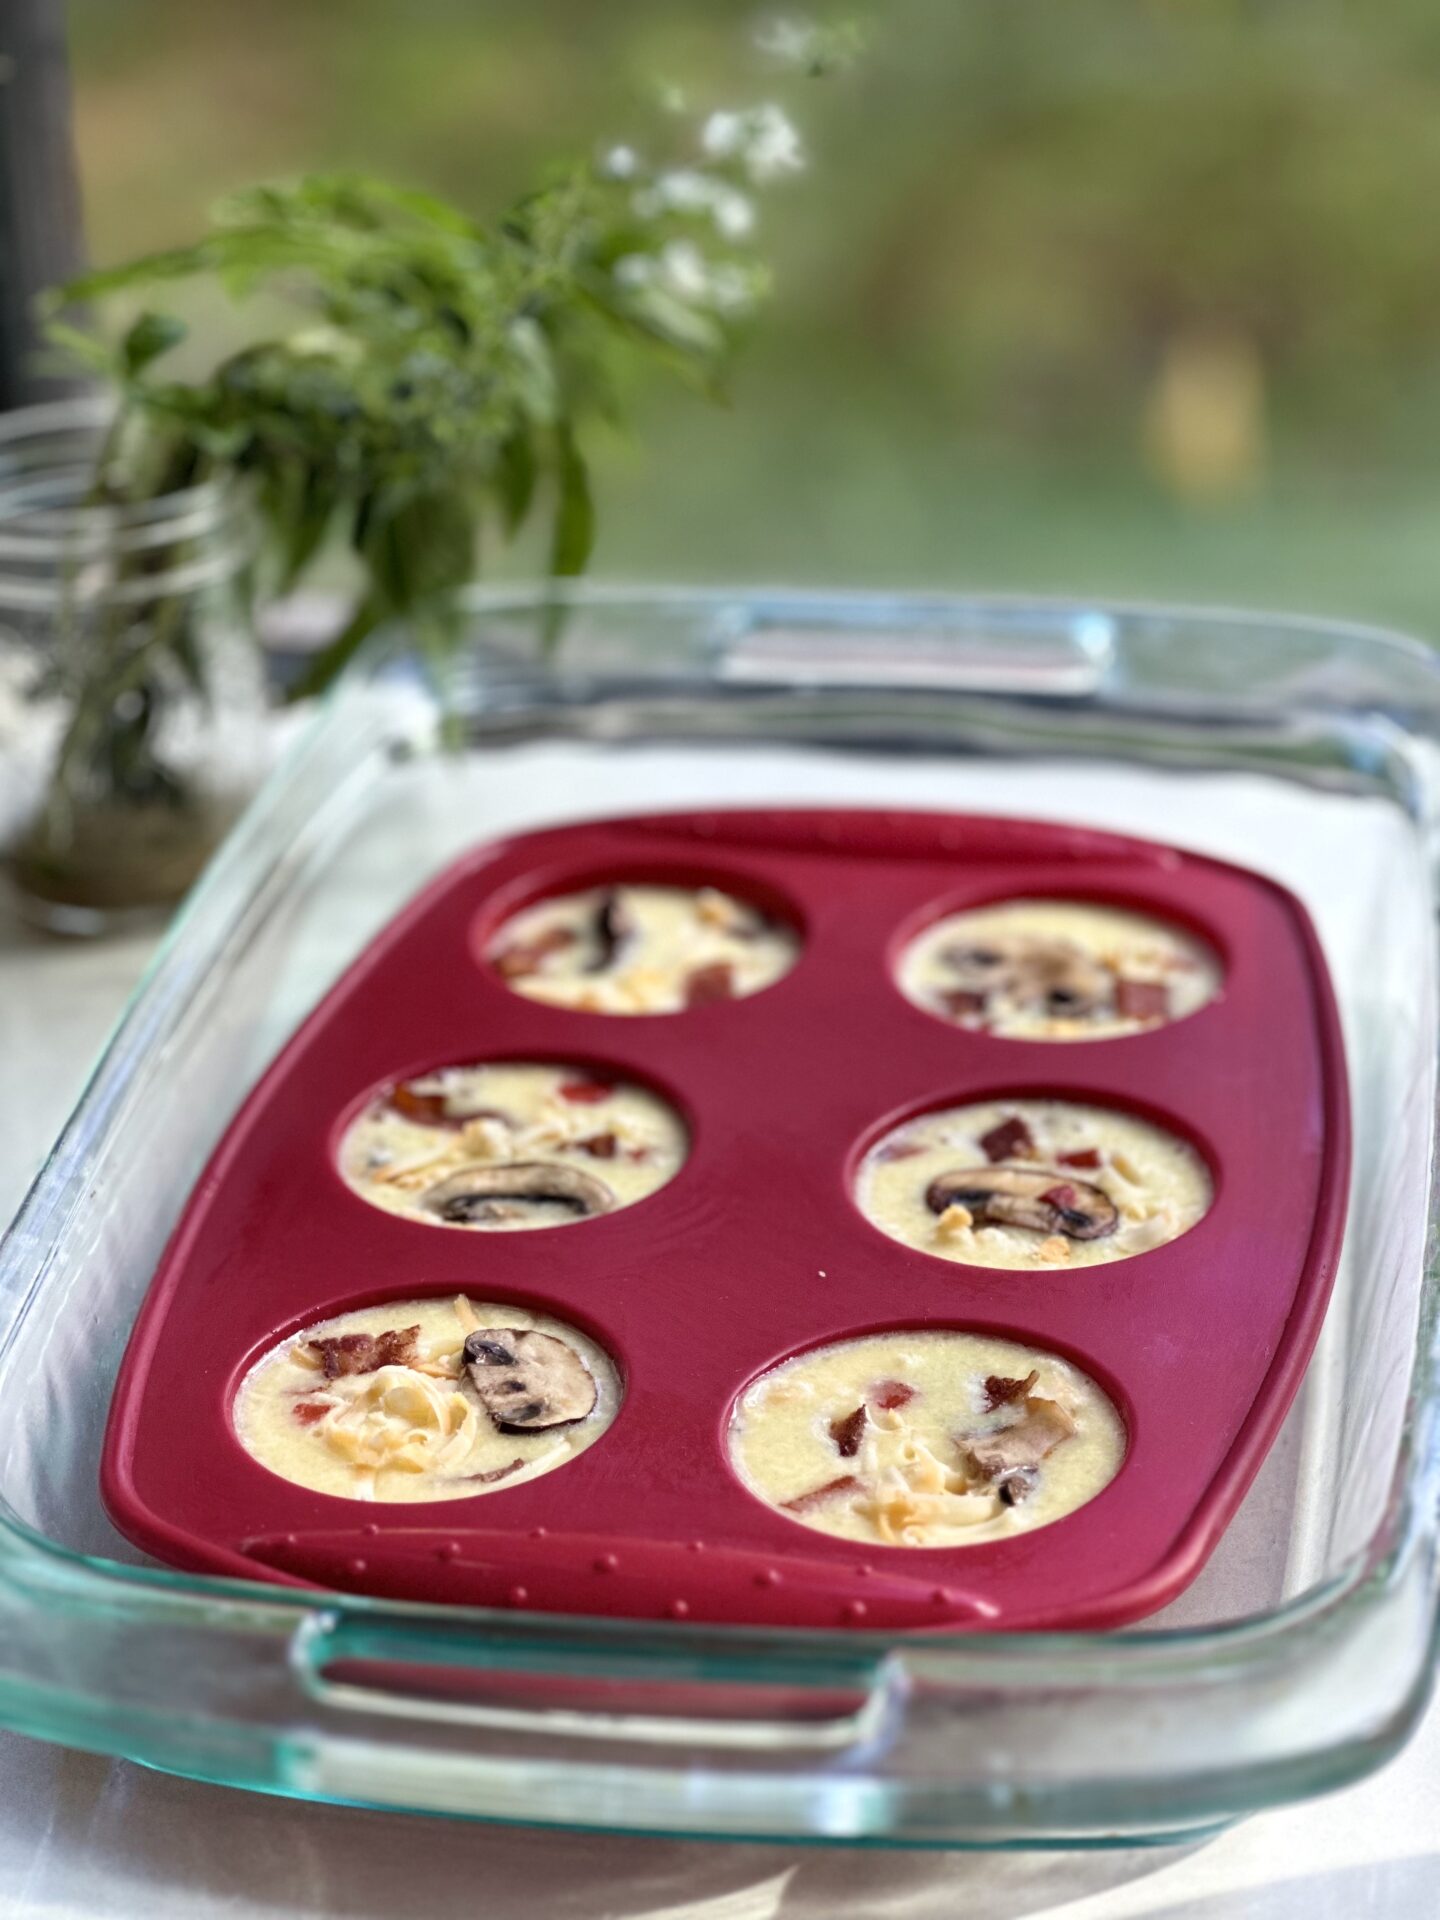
(1301, 1656)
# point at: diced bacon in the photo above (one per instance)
(433, 1109)
(1087, 1159)
(493, 1474)
(899, 1150)
(848, 1431)
(821, 1495)
(307, 1412)
(1062, 1196)
(363, 1352)
(1001, 1389)
(600, 1146)
(1142, 999)
(889, 1394)
(586, 1093)
(705, 985)
(961, 1004)
(425, 1109)
(527, 956)
(1010, 1140)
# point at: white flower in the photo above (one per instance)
(762, 139)
(682, 270)
(734, 213)
(634, 270)
(733, 289)
(324, 342)
(685, 272)
(793, 40)
(620, 163)
(788, 38)
(685, 190)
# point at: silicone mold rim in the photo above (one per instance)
(136, 1515)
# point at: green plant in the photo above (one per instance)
(432, 380)
(416, 385)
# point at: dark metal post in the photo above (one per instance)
(40, 240)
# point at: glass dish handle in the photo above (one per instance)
(579, 1684)
(1059, 653)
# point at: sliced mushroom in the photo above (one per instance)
(1019, 1449)
(614, 926)
(522, 1190)
(1049, 974)
(1039, 1201)
(1017, 1485)
(526, 1380)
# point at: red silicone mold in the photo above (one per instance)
(755, 1249)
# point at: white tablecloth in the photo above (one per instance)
(80, 1835)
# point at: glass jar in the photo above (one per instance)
(131, 688)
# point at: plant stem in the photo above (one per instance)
(323, 668)
(96, 702)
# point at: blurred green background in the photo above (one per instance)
(1140, 298)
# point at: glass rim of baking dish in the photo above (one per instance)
(808, 1776)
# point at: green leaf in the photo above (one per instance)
(81, 347)
(418, 550)
(573, 536)
(150, 336)
(176, 263)
(536, 387)
(515, 475)
(301, 502)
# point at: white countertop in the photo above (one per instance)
(82, 1835)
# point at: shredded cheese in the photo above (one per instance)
(416, 1173)
(953, 1222)
(398, 1419)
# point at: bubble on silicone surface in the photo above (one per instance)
(509, 1146)
(1157, 1185)
(641, 949)
(1058, 970)
(926, 1439)
(415, 1431)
